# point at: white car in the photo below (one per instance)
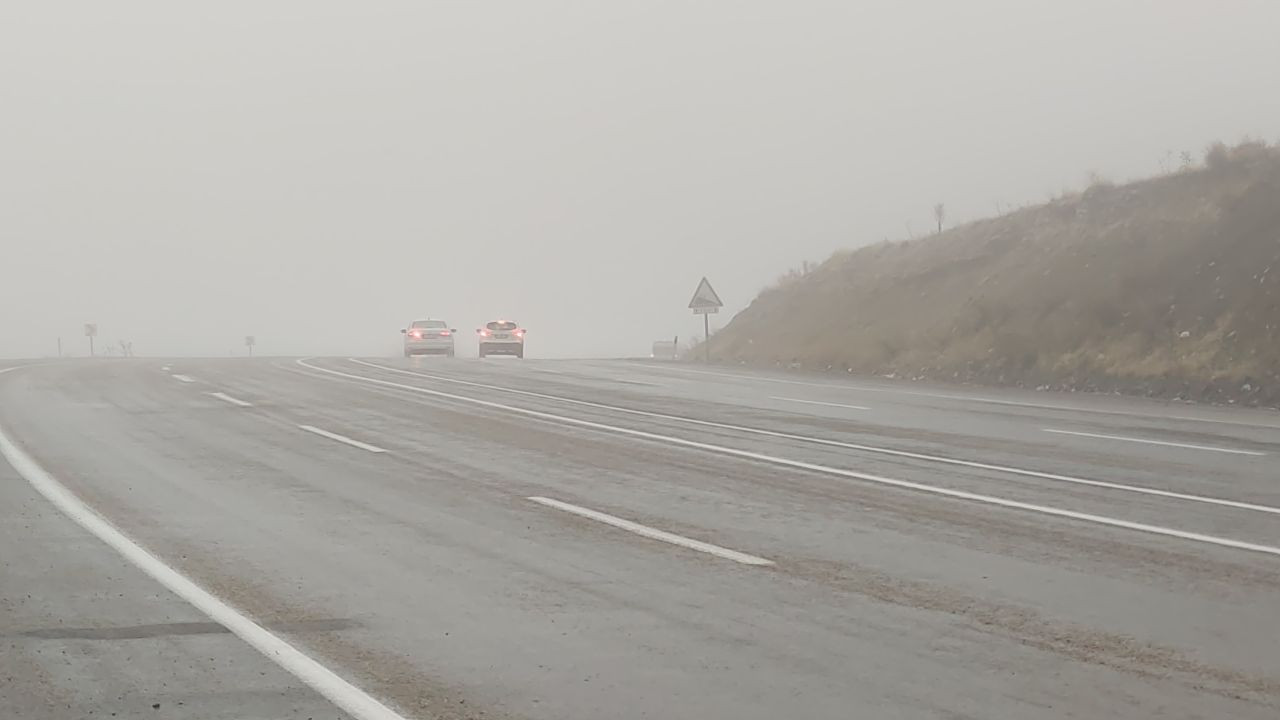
(501, 337)
(426, 337)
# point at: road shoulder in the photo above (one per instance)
(85, 634)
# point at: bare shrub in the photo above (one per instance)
(1217, 157)
(1249, 151)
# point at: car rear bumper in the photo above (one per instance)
(429, 347)
(502, 348)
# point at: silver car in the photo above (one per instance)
(427, 337)
(501, 337)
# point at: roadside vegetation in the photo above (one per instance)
(1165, 287)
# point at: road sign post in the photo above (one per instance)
(91, 331)
(705, 302)
(249, 342)
(706, 338)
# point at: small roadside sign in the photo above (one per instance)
(249, 342)
(90, 330)
(705, 300)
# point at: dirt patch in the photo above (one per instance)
(1111, 650)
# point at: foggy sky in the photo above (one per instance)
(318, 174)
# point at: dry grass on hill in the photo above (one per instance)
(1167, 287)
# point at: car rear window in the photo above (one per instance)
(501, 326)
(429, 324)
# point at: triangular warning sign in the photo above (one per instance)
(705, 297)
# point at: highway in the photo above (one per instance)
(574, 540)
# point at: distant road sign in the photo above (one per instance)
(705, 300)
(250, 341)
(90, 330)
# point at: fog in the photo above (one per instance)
(318, 174)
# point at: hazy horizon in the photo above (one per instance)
(318, 174)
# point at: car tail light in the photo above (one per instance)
(484, 333)
(519, 333)
(416, 333)
(444, 333)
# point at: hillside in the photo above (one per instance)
(1165, 287)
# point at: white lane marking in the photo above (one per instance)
(818, 402)
(227, 398)
(342, 439)
(862, 448)
(1164, 443)
(184, 378)
(825, 469)
(24, 365)
(653, 533)
(165, 368)
(978, 399)
(346, 696)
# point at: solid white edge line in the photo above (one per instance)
(342, 439)
(227, 398)
(165, 368)
(968, 398)
(654, 533)
(1120, 487)
(819, 402)
(184, 378)
(827, 470)
(1163, 443)
(340, 692)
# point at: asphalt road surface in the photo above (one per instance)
(432, 538)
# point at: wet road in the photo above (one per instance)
(575, 539)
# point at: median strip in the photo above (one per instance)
(967, 398)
